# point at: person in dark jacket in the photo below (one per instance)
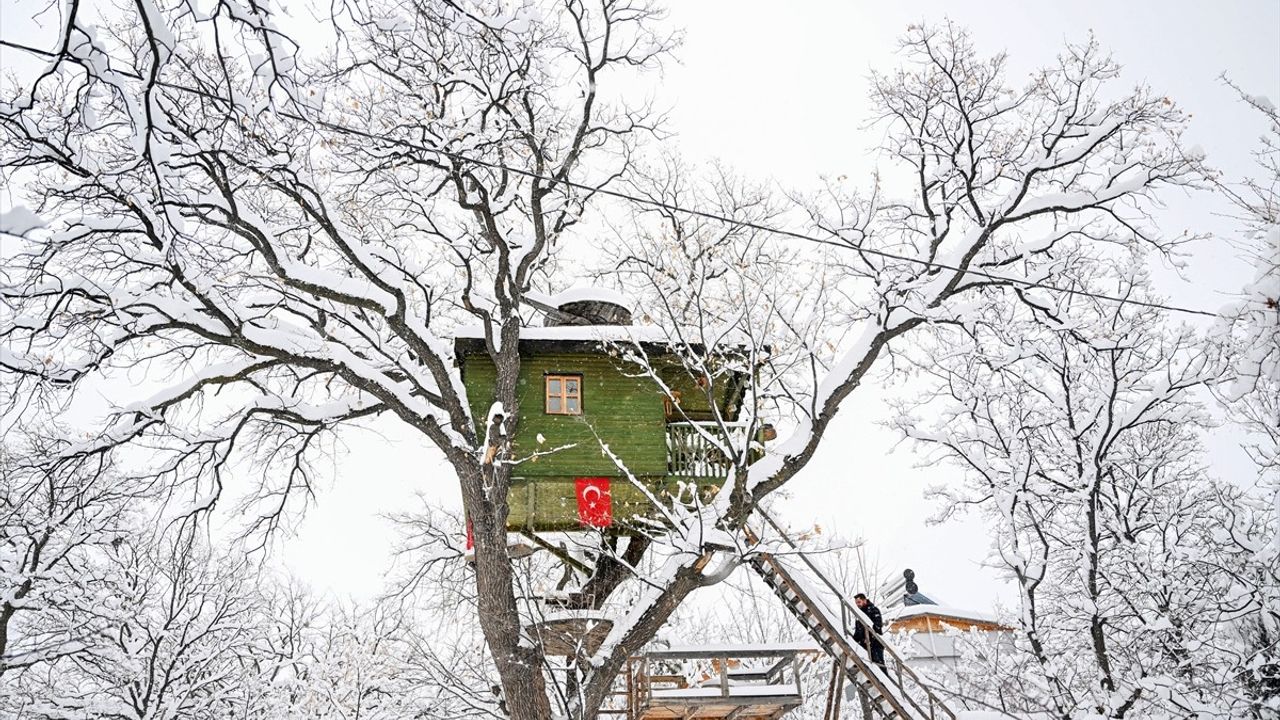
(870, 642)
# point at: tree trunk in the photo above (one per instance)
(486, 482)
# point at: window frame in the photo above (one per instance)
(563, 395)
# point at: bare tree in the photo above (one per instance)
(1252, 325)
(216, 218)
(1250, 334)
(176, 625)
(55, 522)
(1079, 443)
(285, 241)
(1008, 181)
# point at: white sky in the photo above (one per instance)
(782, 95)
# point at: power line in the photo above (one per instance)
(669, 207)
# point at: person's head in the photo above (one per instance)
(861, 601)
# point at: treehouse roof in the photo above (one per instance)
(571, 338)
(586, 320)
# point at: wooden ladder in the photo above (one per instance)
(894, 693)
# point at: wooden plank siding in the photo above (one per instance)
(550, 503)
(626, 413)
(618, 409)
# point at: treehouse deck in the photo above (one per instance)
(745, 682)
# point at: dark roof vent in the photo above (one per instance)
(590, 312)
(588, 306)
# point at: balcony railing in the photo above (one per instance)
(716, 681)
(698, 449)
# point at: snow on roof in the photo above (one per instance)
(739, 649)
(582, 294)
(909, 611)
(567, 615)
(734, 691)
(589, 333)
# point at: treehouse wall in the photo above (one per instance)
(694, 398)
(550, 503)
(625, 412)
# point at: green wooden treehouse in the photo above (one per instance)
(577, 396)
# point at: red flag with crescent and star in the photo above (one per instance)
(595, 503)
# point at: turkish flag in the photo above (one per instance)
(595, 503)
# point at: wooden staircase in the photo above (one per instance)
(894, 693)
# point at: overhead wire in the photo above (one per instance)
(663, 205)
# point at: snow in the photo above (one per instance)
(20, 221)
(158, 26)
(370, 359)
(832, 382)
(1263, 102)
(496, 413)
(197, 379)
(910, 611)
(733, 691)
(352, 287)
(599, 616)
(582, 294)
(741, 649)
(592, 333)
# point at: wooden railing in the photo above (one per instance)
(724, 675)
(699, 449)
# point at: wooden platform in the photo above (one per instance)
(756, 709)
(571, 636)
(748, 682)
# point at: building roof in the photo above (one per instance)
(905, 607)
(917, 598)
(940, 611)
(573, 339)
(579, 333)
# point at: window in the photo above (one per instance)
(564, 394)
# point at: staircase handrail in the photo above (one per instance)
(849, 610)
